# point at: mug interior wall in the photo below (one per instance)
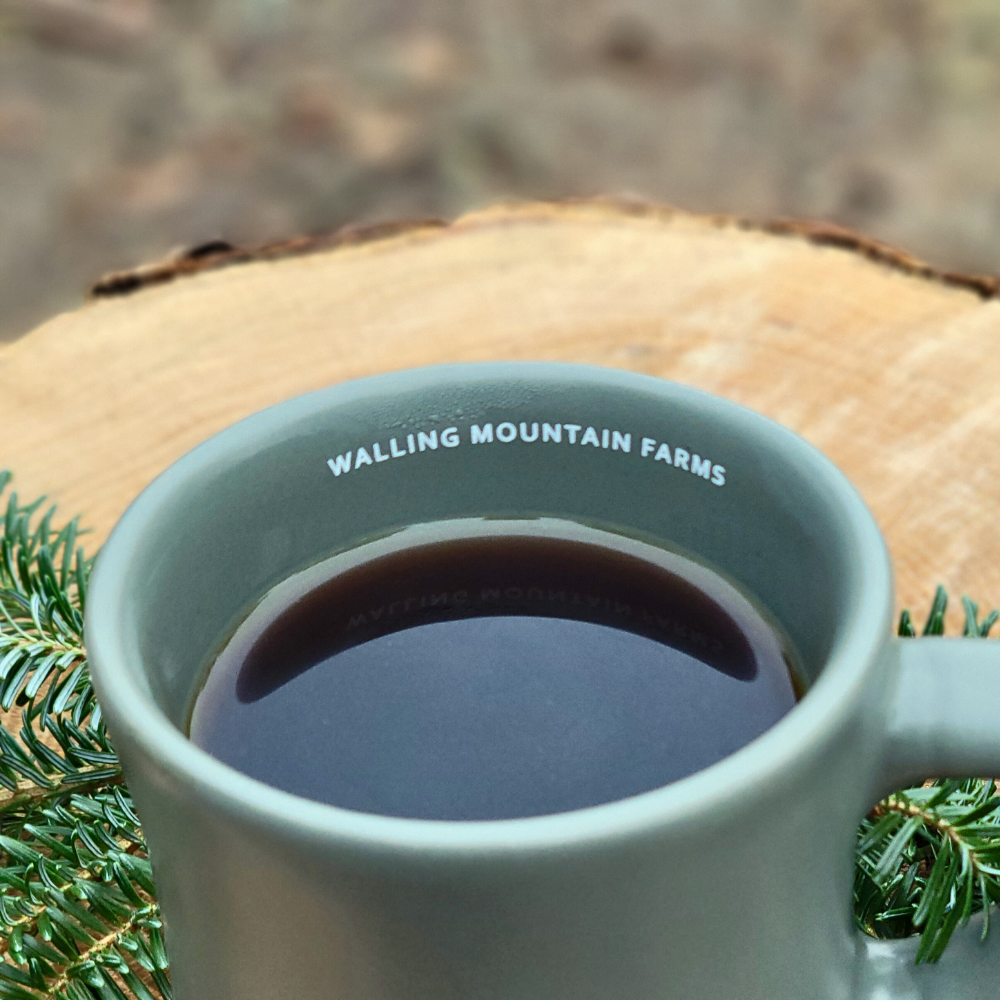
(261, 501)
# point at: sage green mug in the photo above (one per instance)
(735, 882)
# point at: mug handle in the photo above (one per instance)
(944, 721)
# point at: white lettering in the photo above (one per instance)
(342, 463)
(524, 432)
(528, 431)
(701, 466)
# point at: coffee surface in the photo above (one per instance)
(493, 676)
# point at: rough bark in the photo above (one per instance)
(888, 366)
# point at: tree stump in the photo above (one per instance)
(889, 367)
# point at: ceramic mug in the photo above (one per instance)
(735, 882)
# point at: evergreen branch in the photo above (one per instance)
(929, 857)
(100, 952)
(31, 644)
(35, 796)
(79, 918)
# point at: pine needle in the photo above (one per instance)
(79, 918)
(928, 858)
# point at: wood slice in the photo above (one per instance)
(890, 368)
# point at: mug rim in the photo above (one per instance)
(133, 715)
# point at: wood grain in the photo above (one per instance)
(891, 369)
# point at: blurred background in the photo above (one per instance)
(130, 128)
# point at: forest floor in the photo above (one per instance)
(129, 128)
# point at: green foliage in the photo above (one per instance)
(929, 857)
(78, 913)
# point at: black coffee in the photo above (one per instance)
(493, 676)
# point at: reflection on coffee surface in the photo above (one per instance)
(466, 671)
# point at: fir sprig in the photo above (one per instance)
(78, 913)
(928, 858)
